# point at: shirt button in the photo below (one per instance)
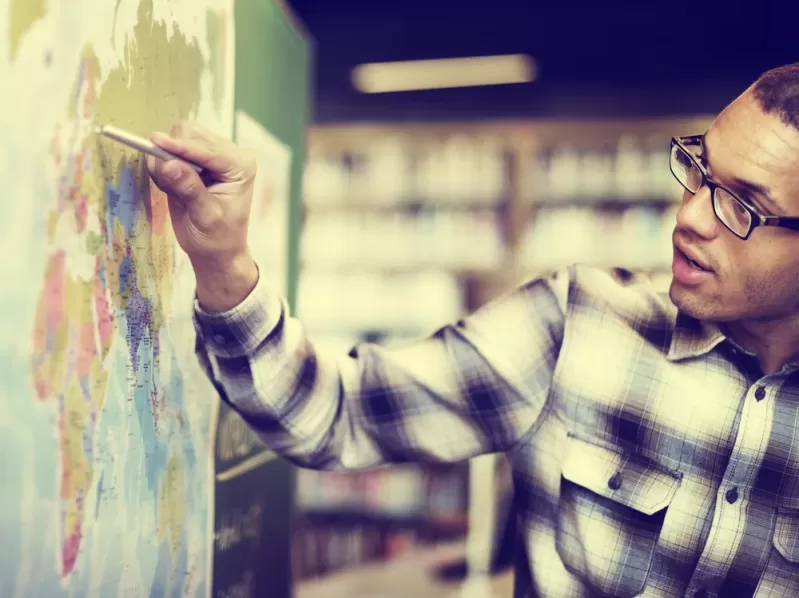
(732, 495)
(614, 483)
(219, 339)
(760, 393)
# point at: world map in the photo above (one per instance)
(106, 425)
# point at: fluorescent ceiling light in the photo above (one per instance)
(444, 73)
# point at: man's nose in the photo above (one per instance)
(696, 214)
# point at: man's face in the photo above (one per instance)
(757, 278)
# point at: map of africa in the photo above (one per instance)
(107, 423)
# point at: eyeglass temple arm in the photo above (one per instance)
(790, 222)
(691, 139)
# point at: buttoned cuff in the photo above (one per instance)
(241, 330)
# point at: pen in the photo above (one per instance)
(141, 144)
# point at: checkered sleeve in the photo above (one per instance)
(476, 386)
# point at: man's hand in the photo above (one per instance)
(210, 213)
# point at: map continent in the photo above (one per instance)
(108, 425)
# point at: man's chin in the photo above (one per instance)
(688, 300)
(693, 302)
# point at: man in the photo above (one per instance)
(654, 442)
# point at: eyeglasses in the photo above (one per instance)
(738, 216)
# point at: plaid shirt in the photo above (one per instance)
(651, 457)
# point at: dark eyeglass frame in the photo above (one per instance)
(757, 219)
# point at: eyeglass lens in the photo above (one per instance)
(727, 208)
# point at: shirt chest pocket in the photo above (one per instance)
(786, 535)
(781, 576)
(610, 514)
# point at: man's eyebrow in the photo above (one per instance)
(748, 186)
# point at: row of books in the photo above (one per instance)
(347, 519)
(475, 169)
(318, 550)
(634, 169)
(637, 239)
(391, 170)
(397, 493)
(453, 239)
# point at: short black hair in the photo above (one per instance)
(777, 92)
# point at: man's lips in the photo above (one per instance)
(692, 256)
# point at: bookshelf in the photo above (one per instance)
(407, 227)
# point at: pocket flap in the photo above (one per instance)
(622, 478)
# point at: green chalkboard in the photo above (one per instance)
(273, 62)
(255, 490)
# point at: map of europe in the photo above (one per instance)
(107, 422)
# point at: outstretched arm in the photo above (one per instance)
(477, 386)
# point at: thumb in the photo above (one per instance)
(179, 180)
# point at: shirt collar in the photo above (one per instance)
(693, 338)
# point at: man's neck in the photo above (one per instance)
(775, 342)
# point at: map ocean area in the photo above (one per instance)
(105, 412)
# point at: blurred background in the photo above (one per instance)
(431, 187)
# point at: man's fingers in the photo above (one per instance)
(177, 179)
(154, 170)
(221, 160)
(183, 182)
(220, 157)
(206, 157)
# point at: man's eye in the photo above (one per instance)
(758, 207)
(751, 202)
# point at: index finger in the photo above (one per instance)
(216, 157)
